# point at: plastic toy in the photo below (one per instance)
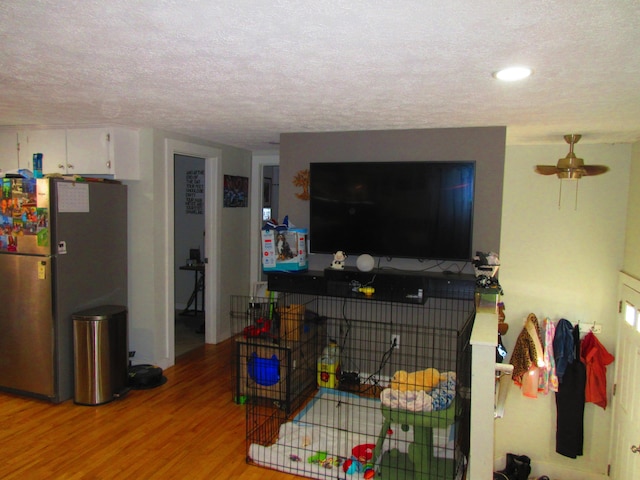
(262, 327)
(264, 371)
(352, 466)
(363, 452)
(319, 457)
(421, 380)
(338, 260)
(368, 291)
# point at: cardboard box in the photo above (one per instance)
(284, 250)
(291, 321)
(294, 362)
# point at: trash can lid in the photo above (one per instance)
(101, 312)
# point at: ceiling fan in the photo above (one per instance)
(571, 166)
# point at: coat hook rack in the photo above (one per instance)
(589, 327)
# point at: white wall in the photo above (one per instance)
(150, 236)
(560, 263)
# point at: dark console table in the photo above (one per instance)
(388, 285)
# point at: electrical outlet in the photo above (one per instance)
(395, 341)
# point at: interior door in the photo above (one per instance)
(625, 463)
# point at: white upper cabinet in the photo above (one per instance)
(88, 150)
(112, 151)
(8, 150)
(52, 144)
(104, 151)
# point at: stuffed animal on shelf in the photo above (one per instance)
(338, 260)
(424, 380)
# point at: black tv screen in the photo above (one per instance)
(420, 210)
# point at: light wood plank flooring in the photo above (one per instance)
(189, 428)
(188, 333)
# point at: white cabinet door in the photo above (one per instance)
(8, 150)
(125, 153)
(51, 143)
(104, 151)
(88, 151)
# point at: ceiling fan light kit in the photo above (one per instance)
(571, 167)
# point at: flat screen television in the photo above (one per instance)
(421, 210)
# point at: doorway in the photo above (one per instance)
(625, 447)
(211, 252)
(189, 238)
(266, 168)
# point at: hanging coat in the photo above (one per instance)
(570, 404)
(596, 358)
(563, 347)
(527, 352)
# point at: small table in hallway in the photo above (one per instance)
(198, 287)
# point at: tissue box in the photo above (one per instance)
(284, 250)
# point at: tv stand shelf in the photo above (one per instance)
(388, 285)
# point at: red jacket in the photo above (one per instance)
(596, 358)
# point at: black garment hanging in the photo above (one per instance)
(570, 400)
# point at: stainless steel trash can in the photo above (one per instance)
(101, 354)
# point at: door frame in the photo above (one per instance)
(212, 211)
(257, 167)
(621, 365)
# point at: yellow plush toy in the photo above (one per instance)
(421, 380)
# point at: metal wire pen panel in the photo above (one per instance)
(355, 388)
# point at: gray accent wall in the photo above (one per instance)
(485, 145)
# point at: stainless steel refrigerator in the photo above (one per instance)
(63, 249)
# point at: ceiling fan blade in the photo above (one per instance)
(594, 169)
(546, 169)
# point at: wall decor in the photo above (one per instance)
(301, 179)
(236, 191)
(194, 192)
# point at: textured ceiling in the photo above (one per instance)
(241, 72)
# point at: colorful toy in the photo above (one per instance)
(262, 327)
(319, 457)
(424, 380)
(363, 452)
(352, 466)
(368, 291)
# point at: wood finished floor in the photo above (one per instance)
(188, 428)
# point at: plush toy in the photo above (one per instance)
(424, 380)
(338, 260)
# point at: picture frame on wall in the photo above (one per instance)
(266, 192)
(236, 191)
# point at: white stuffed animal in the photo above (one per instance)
(338, 260)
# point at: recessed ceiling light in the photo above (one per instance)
(511, 74)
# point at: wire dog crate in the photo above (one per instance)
(360, 389)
